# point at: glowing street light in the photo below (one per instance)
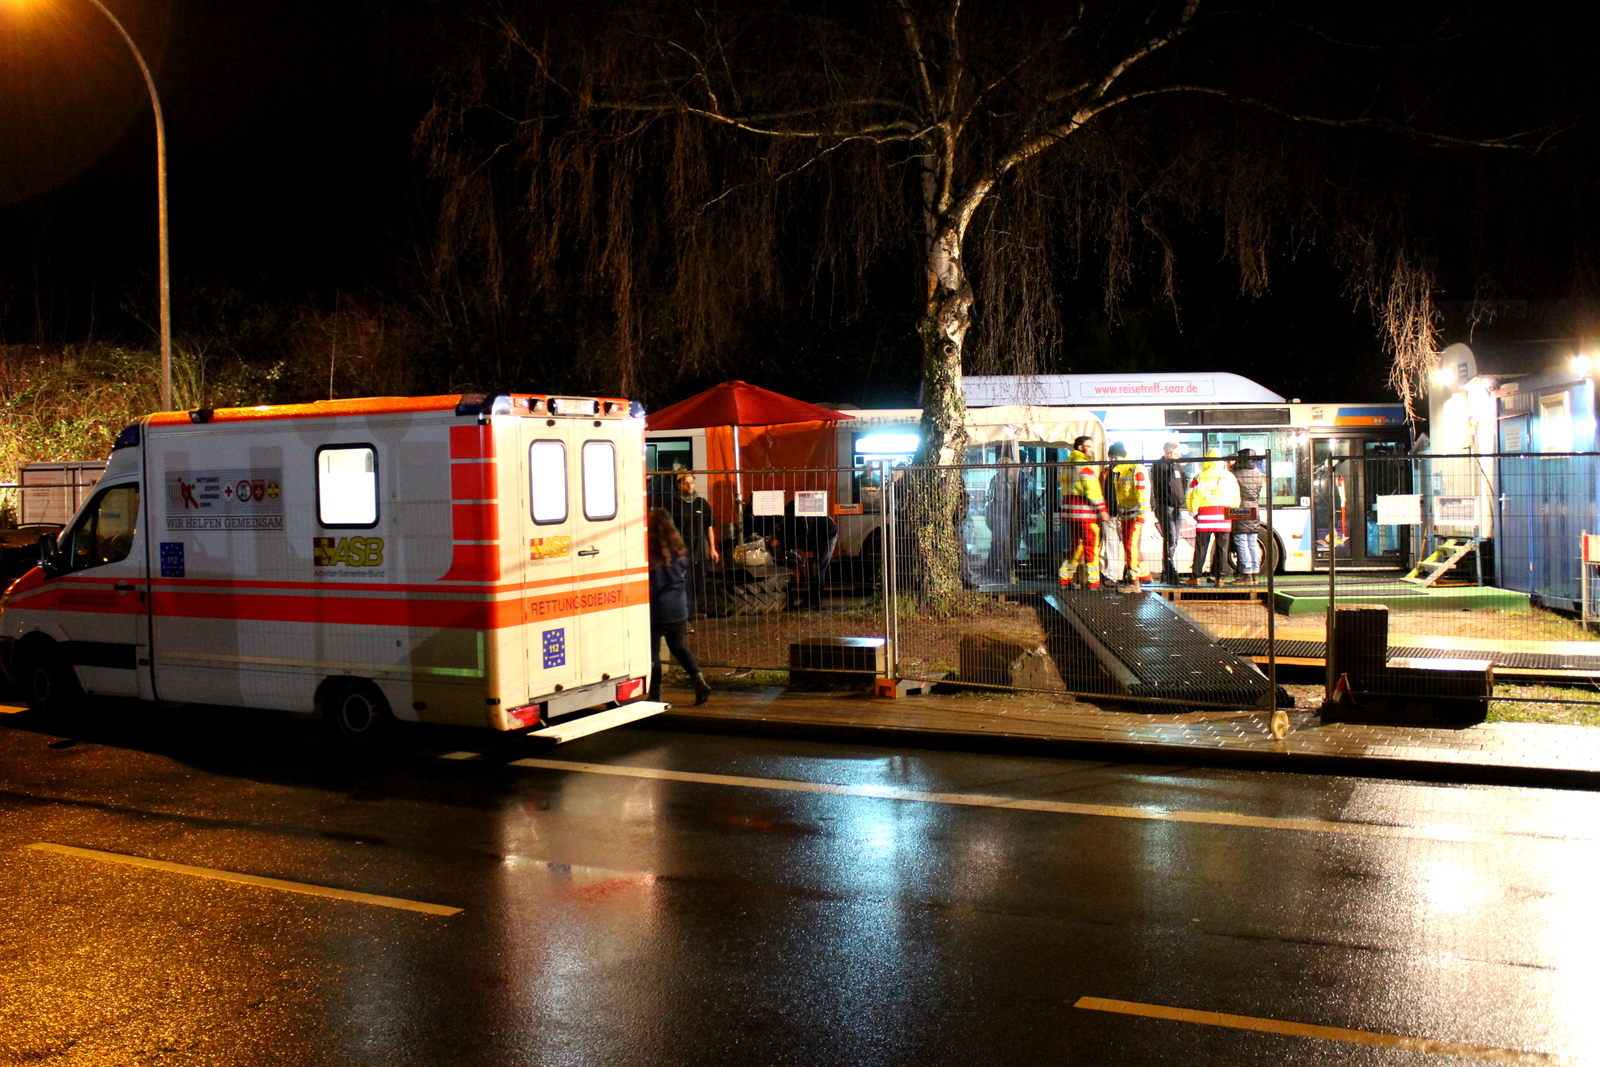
(1582, 365)
(161, 204)
(1445, 376)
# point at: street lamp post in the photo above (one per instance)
(161, 206)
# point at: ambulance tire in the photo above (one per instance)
(355, 713)
(760, 597)
(48, 682)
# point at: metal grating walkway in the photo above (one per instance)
(1525, 663)
(1151, 651)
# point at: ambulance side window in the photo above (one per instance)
(105, 533)
(347, 485)
(599, 480)
(547, 482)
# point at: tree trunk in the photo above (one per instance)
(935, 497)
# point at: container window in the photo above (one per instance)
(1555, 424)
(347, 485)
(547, 482)
(599, 480)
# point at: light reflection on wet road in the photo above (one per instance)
(649, 919)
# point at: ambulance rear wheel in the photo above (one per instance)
(356, 714)
(48, 682)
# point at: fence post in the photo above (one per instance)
(891, 599)
(1328, 651)
(1280, 720)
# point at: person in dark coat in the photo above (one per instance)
(1169, 486)
(696, 524)
(669, 606)
(811, 540)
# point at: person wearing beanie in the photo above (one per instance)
(1247, 532)
(1130, 495)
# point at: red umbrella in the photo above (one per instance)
(739, 404)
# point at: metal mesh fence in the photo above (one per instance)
(1058, 583)
(781, 578)
(1481, 566)
(955, 575)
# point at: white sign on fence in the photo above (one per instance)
(1400, 510)
(766, 502)
(811, 503)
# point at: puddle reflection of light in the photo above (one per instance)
(1448, 887)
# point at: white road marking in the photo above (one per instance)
(245, 879)
(1428, 832)
(1488, 1053)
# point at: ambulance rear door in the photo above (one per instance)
(547, 511)
(600, 549)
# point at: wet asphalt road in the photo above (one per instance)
(663, 918)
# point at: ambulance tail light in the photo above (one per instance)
(632, 689)
(526, 715)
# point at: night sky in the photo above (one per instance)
(293, 178)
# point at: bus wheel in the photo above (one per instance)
(1271, 554)
(355, 713)
(48, 682)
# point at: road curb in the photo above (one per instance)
(1139, 752)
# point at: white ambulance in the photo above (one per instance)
(475, 559)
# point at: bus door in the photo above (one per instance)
(1344, 501)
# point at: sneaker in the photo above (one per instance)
(1193, 583)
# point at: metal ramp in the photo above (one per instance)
(1147, 649)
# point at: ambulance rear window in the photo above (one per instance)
(547, 481)
(599, 480)
(347, 485)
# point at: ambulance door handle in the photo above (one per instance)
(123, 587)
(589, 552)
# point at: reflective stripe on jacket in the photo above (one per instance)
(1213, 491)
(1081, 498)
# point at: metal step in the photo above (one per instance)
(583, 726)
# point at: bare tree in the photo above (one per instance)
(680, 159)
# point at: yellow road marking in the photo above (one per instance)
(245, 879)
(1060, 807)
(1487, 1053)
(12, 709)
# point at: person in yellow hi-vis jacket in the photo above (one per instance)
(1083, 507)
(1212, 492)
(1130, 495)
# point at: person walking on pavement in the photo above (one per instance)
(697, 526)
(1084, 507)
(1247, 531)
(669, 607)
(1169, 485)
(1213, 491)
(1130, 495)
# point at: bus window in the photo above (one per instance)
(1284, 446)
(669, 454)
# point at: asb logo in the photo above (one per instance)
(348, 551)
(549, 547)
